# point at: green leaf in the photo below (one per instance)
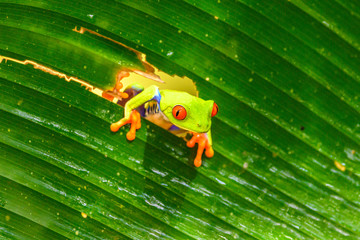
(285, 75)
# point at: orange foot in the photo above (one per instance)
(134, 119)
(110, 95)
(119, 85)
(203, 142)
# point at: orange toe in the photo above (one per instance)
(203, 144)
(123, 95)
(134, 120)
(209, 152)
(197, 162)
(114, 127)
(130, 136)
(190, 144)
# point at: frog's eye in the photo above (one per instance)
(179, 112)
(214, 110)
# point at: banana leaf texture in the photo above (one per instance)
(284, 73)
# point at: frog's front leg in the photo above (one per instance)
(134, 119)
(131, 115)
(204, 142)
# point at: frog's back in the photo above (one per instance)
(151, 110)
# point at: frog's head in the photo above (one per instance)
(186, 111)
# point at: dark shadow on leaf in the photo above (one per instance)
(168, 171)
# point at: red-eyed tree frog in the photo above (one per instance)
(176, 111)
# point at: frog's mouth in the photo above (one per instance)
(202, 129)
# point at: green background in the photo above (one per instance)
(285, 75)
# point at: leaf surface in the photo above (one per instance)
(286, 139)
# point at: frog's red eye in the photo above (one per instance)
(179, 112)
(214, 110)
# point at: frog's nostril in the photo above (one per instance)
(198, 125)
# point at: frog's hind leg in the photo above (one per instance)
(132, 90)
(119, 85)
(119, 77)
(116, 92)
